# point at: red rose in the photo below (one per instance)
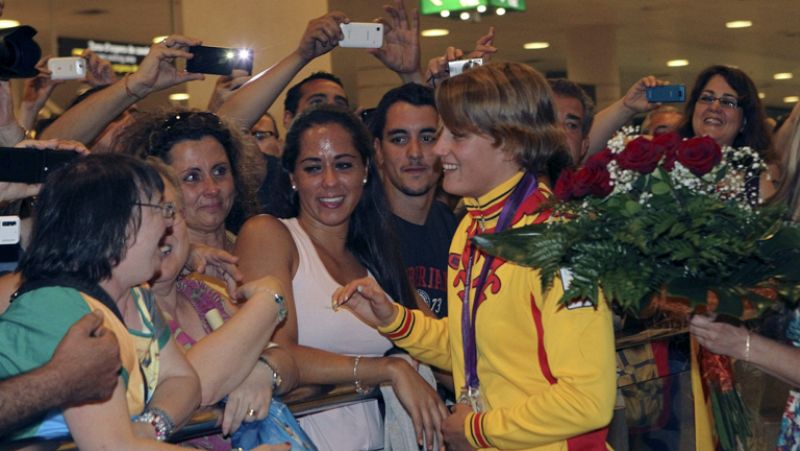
(593, 178)
(699, 155)
(640, 155)
(563, 188)
(603, 157)
(668, 144)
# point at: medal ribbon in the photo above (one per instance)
(524, 188)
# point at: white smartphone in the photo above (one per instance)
(9, 230)
(67, 68)
(362, 35)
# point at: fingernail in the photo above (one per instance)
(360, 289)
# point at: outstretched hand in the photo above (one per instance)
(367, 300)
(719, 337)
(158, 70)
(635, 99)
(322, 35)
(401, 49)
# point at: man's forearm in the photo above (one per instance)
(24, 397)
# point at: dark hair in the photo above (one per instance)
(370, 236)
(293, 95)
(754, 133)
(155, 134)
(86, 215)
(411, 93)
(568, 88)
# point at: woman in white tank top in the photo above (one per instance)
(340, 233)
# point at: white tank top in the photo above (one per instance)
(318, 325)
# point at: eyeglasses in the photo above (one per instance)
(727, 102)
(167, 208)
(262, 135)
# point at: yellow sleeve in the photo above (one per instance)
(579, 346)
(424, 338)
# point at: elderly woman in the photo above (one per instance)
(534, 374)
(230, 356)
(97, 236)
(340, 232)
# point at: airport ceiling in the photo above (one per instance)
(648, 33)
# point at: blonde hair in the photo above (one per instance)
(512, 104)
(789, 189)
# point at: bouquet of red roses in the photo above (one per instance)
(667, 216)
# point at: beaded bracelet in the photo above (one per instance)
(360, 389)
(160, 421)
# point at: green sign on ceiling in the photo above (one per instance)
(437, 6)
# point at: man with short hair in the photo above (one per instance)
(575, 111)
(404, 125)
(265, 132)
(663, 119)
(319, 88)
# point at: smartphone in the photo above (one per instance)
(26, 165)
(67, 68)
(362, 35)
(666, 94)
(9, 230)
(459, 66)
(219, 60)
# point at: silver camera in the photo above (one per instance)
(459, 66)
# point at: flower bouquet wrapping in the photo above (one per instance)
(666, 217)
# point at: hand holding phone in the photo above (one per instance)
(362, 35)
(219, 60)
(666, 94)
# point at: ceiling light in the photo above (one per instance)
(5, 23)
(445, 13)
(738, 24)
(178, 96)
(500, 11)
(435, 32)
(783, 76)
(791, 99)
(481, 8)
(464, 16)
(677, 63)
(761, 95)
(535, 45)
(158, 39)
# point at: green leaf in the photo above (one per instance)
(660, 188)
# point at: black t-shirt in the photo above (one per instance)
(425, 250)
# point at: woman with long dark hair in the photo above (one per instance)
(341, 231)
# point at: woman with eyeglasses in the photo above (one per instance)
(724, 105)
(96, 239)
(339, 232)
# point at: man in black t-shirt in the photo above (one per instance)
(404, 125)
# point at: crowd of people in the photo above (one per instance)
(195, 258)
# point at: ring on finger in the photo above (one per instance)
(251, 412)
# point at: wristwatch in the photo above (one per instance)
(276, 378)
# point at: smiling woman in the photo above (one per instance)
(340, 232)
(96, 238)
